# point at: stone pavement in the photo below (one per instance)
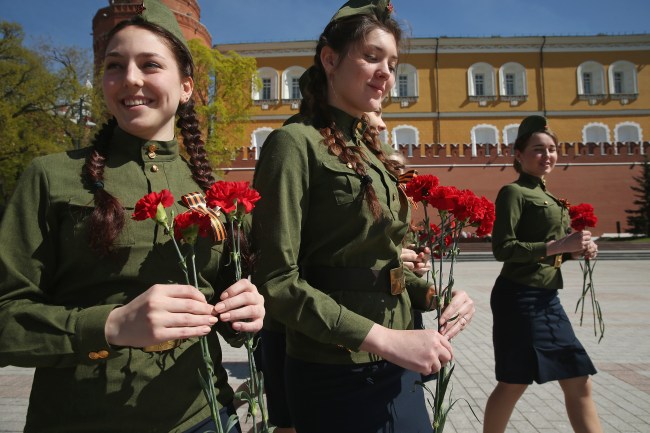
(621, 388)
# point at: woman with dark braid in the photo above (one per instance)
(328, 235)
(88, 296)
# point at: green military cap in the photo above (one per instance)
(155, 12)
(380, 8)
(532, 124)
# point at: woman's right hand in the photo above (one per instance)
(574, 243)
(424, 350)
(164, 312)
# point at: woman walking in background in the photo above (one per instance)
(533, 337)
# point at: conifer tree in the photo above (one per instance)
(638, 220)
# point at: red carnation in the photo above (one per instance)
(444, 198)
(419, 188)
(582, 216)
(190, 224)
(465, 205)
(232, 196)
(148, 206)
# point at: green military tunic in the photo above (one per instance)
(312, 214)
(527, 217)
(55, 296)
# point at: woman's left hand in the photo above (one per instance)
(242, 306)
(457, 315)
(590, 251)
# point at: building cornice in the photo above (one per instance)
(445, 45)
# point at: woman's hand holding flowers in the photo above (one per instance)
(575, 243)
(423, 350)
(457, 315)
(164, 312)
(242, 305)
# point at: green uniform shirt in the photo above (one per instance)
(312, 214)
(527, 217)
(55, 296)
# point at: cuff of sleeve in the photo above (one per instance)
(90, 335)
(417, 289)
(539, 250)
(352, 330)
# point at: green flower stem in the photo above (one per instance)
(588, 287)
(255, 393)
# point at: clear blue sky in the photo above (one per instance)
(69, 22)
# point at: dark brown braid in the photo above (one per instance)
(341, 35)
(188, 124)
(107, 218)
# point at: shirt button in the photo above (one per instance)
(103, 354)
(154, 168)
(93, 355)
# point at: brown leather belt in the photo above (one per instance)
(334, 279)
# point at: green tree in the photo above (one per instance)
(38, 90)
(638, 220)
(223, 90)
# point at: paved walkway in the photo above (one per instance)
(621, 388)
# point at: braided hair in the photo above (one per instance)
(106, 222)
(341, 35)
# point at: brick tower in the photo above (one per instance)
(188, 15)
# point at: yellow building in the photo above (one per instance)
(470, 92)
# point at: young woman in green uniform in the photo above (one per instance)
(533, 338)
(90, 297)
(329, 238)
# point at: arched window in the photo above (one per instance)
(484, 134)
(595, 133)
(406, 136)
(591, 82)
(512, 83)
(510, 135)
(405, 90)
(291, 86)
(481, 83)
(266, 92)
(628, 131)
(623, 81)
(258, 137)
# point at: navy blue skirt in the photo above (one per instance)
(533, 337)
(271, 351)
(355, 398)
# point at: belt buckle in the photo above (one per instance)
(163, 347)
(558, 261)
(397, 281)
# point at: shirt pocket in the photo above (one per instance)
(79, 216)
(344, 182)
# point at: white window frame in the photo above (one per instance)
(635, 125)
(509, 144)
(597, 81)
(256, 146)
(287, 76)
(489, 83)
(518, 72)
(396, 130)
(412, 94)
(630, 85)
(588, 126)
(271, 74)
(475, 143)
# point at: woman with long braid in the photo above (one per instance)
(87, 295)
(328, 236)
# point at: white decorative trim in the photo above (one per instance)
(287, 74)
(489, 83)
(266, 72)
(514, 126)
(521, 83)
(412, 81)
(399, 128)
(595, 124)
(482, 126)
(598, 86)
(628, 123)
(255, 146)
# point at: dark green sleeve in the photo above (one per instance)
(417, 289)
(34, 331)
(506, 246)
(282, 177)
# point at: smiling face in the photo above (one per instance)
(142, 83)
(359, 79)
(539, 156)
